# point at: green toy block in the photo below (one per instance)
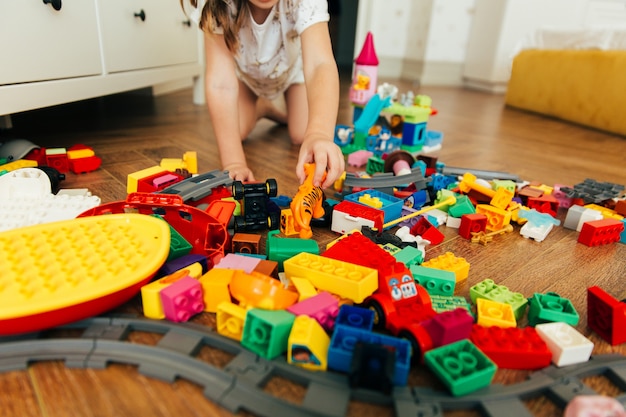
(461, 366)
(443, 195)
(179, 246)
(462, 206)
(436, 281)
(491, 291)
(412, 149)
(550, 307)
(374, 165)
(443, 303)
(409, 256)
(506, 184)
(391, 248)
(280, 249)
(266, 332)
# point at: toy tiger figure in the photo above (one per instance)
(307, 204)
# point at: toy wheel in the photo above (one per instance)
(379, 313)
(416, 352)
(273, 221)
(240, 223)
(272, 187)
(238, 190)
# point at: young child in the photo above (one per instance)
(257, 50)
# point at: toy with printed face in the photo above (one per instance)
(307, 204)
(362, 81)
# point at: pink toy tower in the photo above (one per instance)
(365, 74)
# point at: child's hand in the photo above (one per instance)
(239, 172)
(327, 157)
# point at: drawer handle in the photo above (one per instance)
(56, 4)
(141, 15)
(187, 23)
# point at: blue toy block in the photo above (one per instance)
(358, 317)
(413, 134)
(391, 206)
(433, 138)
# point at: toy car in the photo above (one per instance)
(257, 210)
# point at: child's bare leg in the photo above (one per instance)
(297, 112)
(248, 102)
(269, 110)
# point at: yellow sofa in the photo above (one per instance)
(582, 86)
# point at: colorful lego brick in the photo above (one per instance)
(441, 303)
(372, 367)
(279, 248)
(550, 307)
(266, 332)
(607, 213)
(538, 218)
(230, 320)
(409, 256)
(184, 262)
(547, 203)
(234, 261)
(267, 267)
(437, 217)
(182, 299)
(538, 233)
(449, 327)
(491, 291)
(502, 198)
(453, 222)
(449, 262)
(461, 366)
(349, 216)
(304, 287)
(151, 294)
(606, 315)
(260, 291)
(620, 207)
(247, 243)
(472, 223)
(601, 232)
(344, 279)
(436, 281)
(512, 347)
(353, 316)
(215, 288)
(427, 231)
(462, 207)
(133, 178)
(189, 162)
(494, 313)
(345, 338)
(179, 246)
(578, 215)
(568, 346)
(57, 158)
(497, 218)
(308, 344)
(390, 205)
(322, 307)
(359, 158)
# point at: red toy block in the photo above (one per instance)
(82, 165)
(182, 299)
(512, 347)
(472, 223)
(601, 232)
(359, 250)
(547, 203)
(356, 211)
(60, 162)
(449, 326)
(606, 315)
(427, 231)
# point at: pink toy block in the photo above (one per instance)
(182, 299)
(359, 158)
(322, 307)
(234, 261)
(449, 326)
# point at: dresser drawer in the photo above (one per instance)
(40, 43)
(138, 34)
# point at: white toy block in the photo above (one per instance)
(453, 222)
(568, 346)
(537, 233)
(578, 215)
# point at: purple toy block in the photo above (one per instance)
(182, 299)
(449, 326)
(322, 307)
(234, 261)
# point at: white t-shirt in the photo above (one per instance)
(269, 58)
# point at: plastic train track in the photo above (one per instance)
(239, 385)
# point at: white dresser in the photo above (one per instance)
(59, 51)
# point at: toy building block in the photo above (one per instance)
(266, 332)
(568, 346)
(538, 218)
(230, 320)
(179, 246)
(372, 367)
(409, 255)
(132, 181)
(496, 218)
(463, 206)
(246, 243)
(308, 344)
(592, 191)
(390, 205)
(449, 327)
(158, 182)
(512, 347)
(235, 261)
(607, 212)
(345, 339)
(461, 366)
(57, 158)
(441, 303)
(606, 315)
(215, 287)
(322, 307)
(491, 291)
(550, 307)
(436, 281)
(449, 262)
(349, 216)
(578, 215)
(280, 249)
(337, 277)
(547, 204)
(182, 299)
(353, 316)
(502, 198)
(188, 162)
(472, 223)
(359, 158)
(437, 217)
(183, 262)
(260, 291)
(427, 231)
(267, 267)
(304, 287)
(365, 76)
(82, 159)
(151, 294)
(620, 207)
(494, 313)
(601, 232)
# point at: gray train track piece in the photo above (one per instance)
(239, 385)
(486, 175)
(387, 181)
(200, 186)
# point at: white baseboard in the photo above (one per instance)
(493, 87)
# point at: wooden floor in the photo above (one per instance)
(134, 131)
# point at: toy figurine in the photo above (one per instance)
(307, 204)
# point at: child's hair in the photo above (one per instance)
(218, 13)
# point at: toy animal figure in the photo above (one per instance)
(307, 204)
(362, 82)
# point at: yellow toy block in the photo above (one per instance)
(494, 313)
(308, 344)
(368, 200)
(151, 294)
(20, 163)
(230, 320)
(80, 153)
(607, 213)
(497, 218)
(132, 180)
(215, 287)
(188, 162)
(337, 277)
(287, 226)
(502, 198)
(304, 288)
(449, 262)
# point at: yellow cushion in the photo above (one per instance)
(582, 86)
